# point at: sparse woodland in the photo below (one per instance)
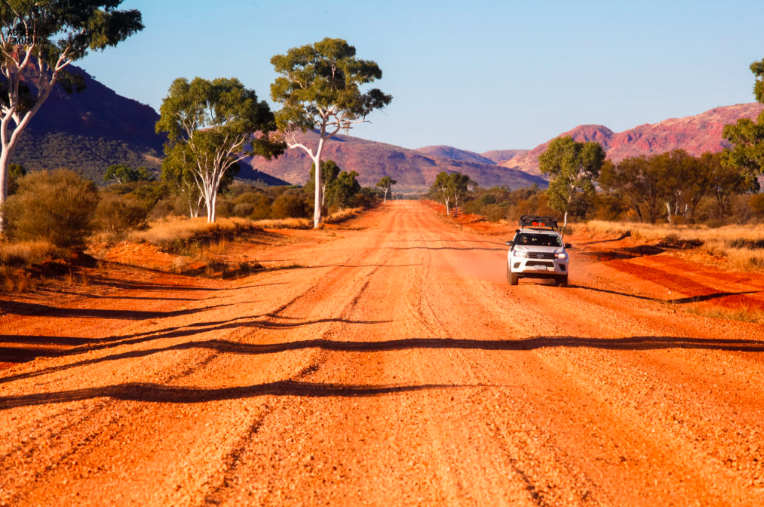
(212, 125)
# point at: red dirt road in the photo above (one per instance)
(389, 365)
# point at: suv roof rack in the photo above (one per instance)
(537, 222)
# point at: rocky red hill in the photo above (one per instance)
(499, 156)
(694, 134)
(414, 171)
(89, 131)
(455, 154)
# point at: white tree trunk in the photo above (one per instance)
(386, 189)
(5, 161)
(316, 158)
(668, 210)
(9, 139)
(211, 210)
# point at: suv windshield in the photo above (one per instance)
(538, 239)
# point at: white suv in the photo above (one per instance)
(537, 251)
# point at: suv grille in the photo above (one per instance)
(531, 262)
(540, 255)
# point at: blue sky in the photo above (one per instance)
(494, 75)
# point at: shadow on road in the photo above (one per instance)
(157, 393)
(224, 346)
(465, 249)
(20, 308)
(677, 301)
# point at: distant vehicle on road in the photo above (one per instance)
(537, 251)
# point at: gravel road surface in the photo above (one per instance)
(391, 364)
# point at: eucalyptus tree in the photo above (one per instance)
(345, 188)
(211, 126)
(726, 181)
(177, 171)
(460, 185)
(634, 181)
(39, 39)
(450, 187)
(386, 183)
(319, 88)
(573, 166)
(443, 187)
(329, 172)
(746, 137)
(122, 173)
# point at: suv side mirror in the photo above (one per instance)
(568, 245)
(510, 244)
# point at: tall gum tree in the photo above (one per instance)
(39, 39)
(573, 166)
(386, 183)
(319, 88)
(211, 126)
(746, 137)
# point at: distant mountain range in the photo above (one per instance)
(694, 134)
(89, 131)
(413, 170)
(96, 128)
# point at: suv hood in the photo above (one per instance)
(540, 249)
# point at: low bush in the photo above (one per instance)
(741, 245)
(55, 206)
(118, 213)
(175, 234)
(26, 253)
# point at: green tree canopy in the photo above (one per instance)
(573, 166)
(329, 172)
(636, 183)
(386, 183)
(746, 137)
(726, 180)
(121, 173)
(38, 41)
(451, 187)
(319, 87)
(211, 126)
(345, 188)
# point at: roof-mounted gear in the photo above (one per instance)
(538, 222)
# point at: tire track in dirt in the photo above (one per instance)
(200, 362)
(576, 322)
(396, 367)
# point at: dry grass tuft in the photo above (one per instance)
(177, 233)
(741, 245)
(342, 215)
(307, 223)
(285, 223)
(741, 314)
(16, 279)
(25, 253)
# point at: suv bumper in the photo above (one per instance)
(539, 268)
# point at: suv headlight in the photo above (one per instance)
(562, 255)
(520, 254)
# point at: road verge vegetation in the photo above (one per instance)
(193, 246)
(733, 246)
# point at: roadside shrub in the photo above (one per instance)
(117, 213)
(289, 205)
(365, 198)
(163, 208)
(57, 206)
(25, 253)
(255, 205)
